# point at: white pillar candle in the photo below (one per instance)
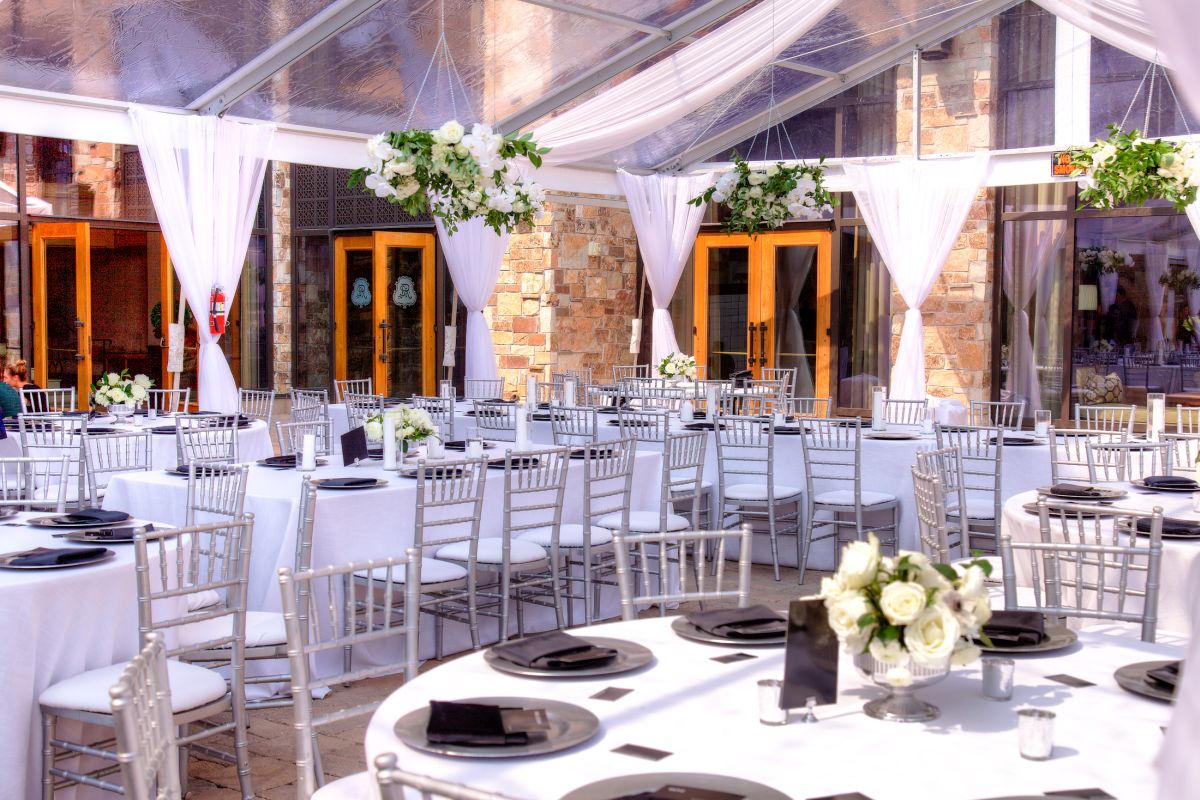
(878, 420)
(447, 389)
(710, 404)
(1156, 414)
(434, 446)
(687, 411)
(522, 430)
(531, 392)
(389, 442)
(568, 392)
(308, 452)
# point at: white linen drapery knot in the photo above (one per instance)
(205, 176)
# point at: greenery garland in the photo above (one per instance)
(1125, 170)
(761, 199)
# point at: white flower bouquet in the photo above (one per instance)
(455, 175)
(119, 389)
(677, 366)
(905, 610)
(769, 197)
(1101, 261)
(1126, 170)
(412, 424)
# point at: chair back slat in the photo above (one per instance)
(144, 725)
(635, 552)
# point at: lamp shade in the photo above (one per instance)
(1089, 297)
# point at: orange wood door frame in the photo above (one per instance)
(341, 246)
(80, 234)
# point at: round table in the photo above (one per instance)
(1178, 554)
(705, 714)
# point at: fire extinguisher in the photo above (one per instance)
(216, 311)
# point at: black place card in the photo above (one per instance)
(612, 693)
(732, 657)
(1082, 794)
(810, 663)
(1070, 680)
(843, 796)
(354, 446)
(637, 751)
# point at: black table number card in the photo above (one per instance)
(354, 446)
(810, 664)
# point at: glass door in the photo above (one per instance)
(61, 288)
(724, 330)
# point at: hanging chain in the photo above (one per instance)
(444, 60)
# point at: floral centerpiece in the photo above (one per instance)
(1102, 261)
(677, 367)
(412, 425)
(1179, 279)
(768, 197)
(455, 175)
(118, 389)
(1127, 170)
(905, 620)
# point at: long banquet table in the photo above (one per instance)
(705, 714)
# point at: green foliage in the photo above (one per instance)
(1128, 170)
(766, 198)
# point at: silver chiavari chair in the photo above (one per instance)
(833, 458)
(581, 376)
(290, 436)
(168, 572)
(1131, 460)
(644, 425)
(449, 508)
(319, 619)
(547, 393)
(1105, 418)
(666, 397)
(360, 407)
(932, 524)
(600, 396)
(393, 781)
(810, 407)
(904, 412)
(257, 404)
(623, 372)
(1187, 420)
(309, 398)
(106, 455)
(215, 491)
(168, 401)
(534, 484)
(981, 460)
(140, 702)
(34, 484)
(1073, 455)
(440, 410)
(633, 552)
(484, 389)
(1184, 451)
(497, 420)
(785, 375)
(747, 489)
(573, 426)
(209, 438)
(55, 435)
(1009, 415)
(353, 386)
(946, 465)
(47, 401)
(1088, 566)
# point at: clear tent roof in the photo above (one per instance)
(362, 66)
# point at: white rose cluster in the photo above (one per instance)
(677, 365)
(767, 197)
(411, 424)
(1181, 166)
(117, 388)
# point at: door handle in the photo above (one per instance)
(750, 346)
(762, 344)
(383, 337)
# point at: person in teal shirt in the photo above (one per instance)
(10, 401)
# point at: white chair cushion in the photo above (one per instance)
(978, 508)
(263, 628)
(191, 687)
(199, 600)
(569, 535)
(645, 522)
(491, 551)
(845, 497)
(358, 786)
(758, 491)
(432, 571)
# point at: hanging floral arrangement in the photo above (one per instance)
(760, 199)
(455, 175)
(1179, 279)
(1101, 261)
(1127, 170)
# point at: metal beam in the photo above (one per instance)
(708, 14)
(794, 67)
(939, 31)
(601, 16)
(309, 35)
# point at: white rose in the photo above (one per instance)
(374, 431)
(718, 197)
(899, 677)
(930, 578)
(795, 209)
(832, 587)
(902, 601)
(756, 179)
(384, 189)
(772, 170)
(932, 637)
(889, 652)
(373, 145)
(964, 653)
(406, 189)
(860, 561)
(117, 395)
(137, 392)
(844, 613)
(143, 380)
(972, 584)
(756, 192)
(113, 379)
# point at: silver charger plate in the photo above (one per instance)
(105, 556)
(623, 785)
(1104, 493)
(263, 462)
(323, 483)
(1017, 441)
(570, 725)
(48, 522)
(687, 630)
(891, 436)
(630, 656)
(788, 430)
(1176, 489)
(1057, 638)
(1123, 526)
(1132, 678)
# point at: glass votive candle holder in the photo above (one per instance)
(997, 677)
(435, 448)
(770, 691)
(1041, 423)
(1035, 733)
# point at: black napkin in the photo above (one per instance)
(1015, 628)
(1013, 440)
(1169, 482)
(752, 622)
(554, 650)
(601, 452)
(700, 426)
(1171, 526)
(474, 724)
(279, 461)
(55, 556)
(89, 515)
(348, 482)
(1166, 676)
(1074, 490)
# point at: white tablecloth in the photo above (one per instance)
(55, 624)
(705, 713)
(1178, 554)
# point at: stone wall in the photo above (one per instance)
(280, 205)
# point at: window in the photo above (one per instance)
(1120, 87)
(312, 313)
(864, 329)
(1025, 63)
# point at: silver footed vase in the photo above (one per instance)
(901, 703)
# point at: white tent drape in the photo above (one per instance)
(1038, 251)
(1109, 281)
(1174, 24)
(1121, 23)
(473, 256)
(1156, 266)
(1192, 255)
(679, 84)
(205, 176)
(914, 210)
(1193, 215)
(666, 230)
(789, 333)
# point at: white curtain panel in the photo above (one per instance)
(1040, 244)
(1175, 23)
(1121, 23)
(205, 176)
(915, 210)
(473, 256)
(1193, 295)
(1156, 266)
(1109, 281)
(1193, 213)
(789, 332)
(666, 228)
(680, 83)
